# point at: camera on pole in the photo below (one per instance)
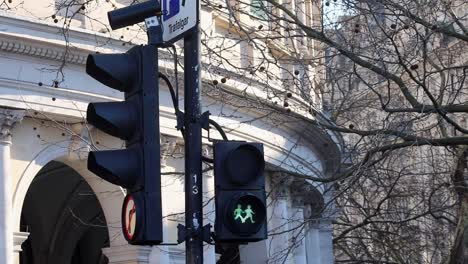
(133, 14)
(135, 120)
(240, 197)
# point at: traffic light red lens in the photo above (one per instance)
(244, 164)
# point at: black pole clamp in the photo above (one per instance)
(205, 232)
(154, 30)
(205, 120)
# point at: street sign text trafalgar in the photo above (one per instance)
(179, 16)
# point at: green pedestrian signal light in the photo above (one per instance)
(248, 214)
(245, 214)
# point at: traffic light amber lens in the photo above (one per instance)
(245, 215)
(245, 164)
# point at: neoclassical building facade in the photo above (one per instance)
(53, 210)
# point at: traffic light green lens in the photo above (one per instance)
(245, 214)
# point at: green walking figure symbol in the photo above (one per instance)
(248, 213)
(238, 213)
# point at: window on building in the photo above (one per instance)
(287, 77)
(308, 18)
(274, 24)
(258, 8)
(301, 81)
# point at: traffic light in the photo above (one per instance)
(240, 191)
(135, 120)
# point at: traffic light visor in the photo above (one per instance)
(120, 167)
(118, 119)
(117, 71)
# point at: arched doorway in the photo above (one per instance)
(64, 218)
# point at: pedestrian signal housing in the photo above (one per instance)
(240, 191)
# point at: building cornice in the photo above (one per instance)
(32, 37)
(39, 50)
(10, 19)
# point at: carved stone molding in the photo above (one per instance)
(324, 224)
(18, 239)
(8, 119)
(79, 146)
(281, 184)
(297, 201)
(207, 151)
(308, 214)
(168, 148)
(57, 54)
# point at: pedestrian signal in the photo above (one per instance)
(240, 192)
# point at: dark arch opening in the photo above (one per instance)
(64, 218)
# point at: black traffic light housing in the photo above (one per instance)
(240, 197)
(135, 120)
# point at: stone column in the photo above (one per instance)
(319, 242)
(254, 252)
(8, 119)
(159, 254)
(279, 226)
(298, 234)
(326, 241)
(313, 246)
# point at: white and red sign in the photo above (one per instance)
(129, 219)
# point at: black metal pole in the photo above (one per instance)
(193, 149)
